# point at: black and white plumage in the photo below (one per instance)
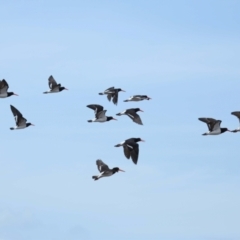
(237, 114)
(99, 114)
(132, 113)
(213, 126)
(21, 122)
(112, 94)
(136, 98)
(4, 90)
(131, 148)
(54, 86)
(104, 170)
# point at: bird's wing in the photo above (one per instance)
(109, 96)
(210, 122)
(97, 108)
(237, 114)
(134, 116)
(20, 120)
(134, 151)
(101, 114)
(115, 97)
(102, 166)
(109, 90)
(216, 125)
(52, 83)
(3, 86)
(127, 151)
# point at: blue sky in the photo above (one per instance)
(183, 54)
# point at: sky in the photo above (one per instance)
(184, 55)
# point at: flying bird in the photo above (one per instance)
(237, 114)
(54, 87)
(21, 122)
(4, 90)
(136, 98)
(213, 126)
(132, 113)
(112, 94)
(104, 170)
(131, 148)
(99, 114)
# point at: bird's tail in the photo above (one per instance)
(95, 177)
(12, 128)
(118, 145)
(126, 100)
(45, 92)
(89, 120)
(204, 134)
(101, 93)
(118, 114)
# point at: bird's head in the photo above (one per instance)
(62, 88)
(138, 109)
(116, 169)
(120, 90)
(12, 93)
(138, 140)
(111, 118)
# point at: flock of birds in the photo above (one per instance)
(130, 146)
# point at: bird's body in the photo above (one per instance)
(99, 114)
(213, 126)
(21, 122)
(237, 114)
(131, 148)
(132, 113)
(112, 94)
(4, 90)
(104, 170)
(137, 98)
(54, 87)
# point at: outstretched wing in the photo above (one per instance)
(20, 120)
(134, 116)
(102, 166)
(237, 114)
(109, 90)
(127, 151)
(101, 114)
(3, 86)
(52, 83)
(115, 97)
(97, 108)
(134, 151)
(216, 125)
(210, 122)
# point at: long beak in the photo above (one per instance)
(114, 119)
(65, 88)
(123, 91)
(141, 110)
(142, 140)
(32, 125)
(15, 94)
(121, 170)
(149, 98)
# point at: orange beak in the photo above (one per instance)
(121, 170)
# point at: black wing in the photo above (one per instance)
(237, 114)
(109, 90)
(134, 151)
(52, 83)
(134, 116)
(127, 151)
(109, 96)
(210, 122)
(115, 98)
(97, 108)
(20, 120)
(3, 86)
(102, 166)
